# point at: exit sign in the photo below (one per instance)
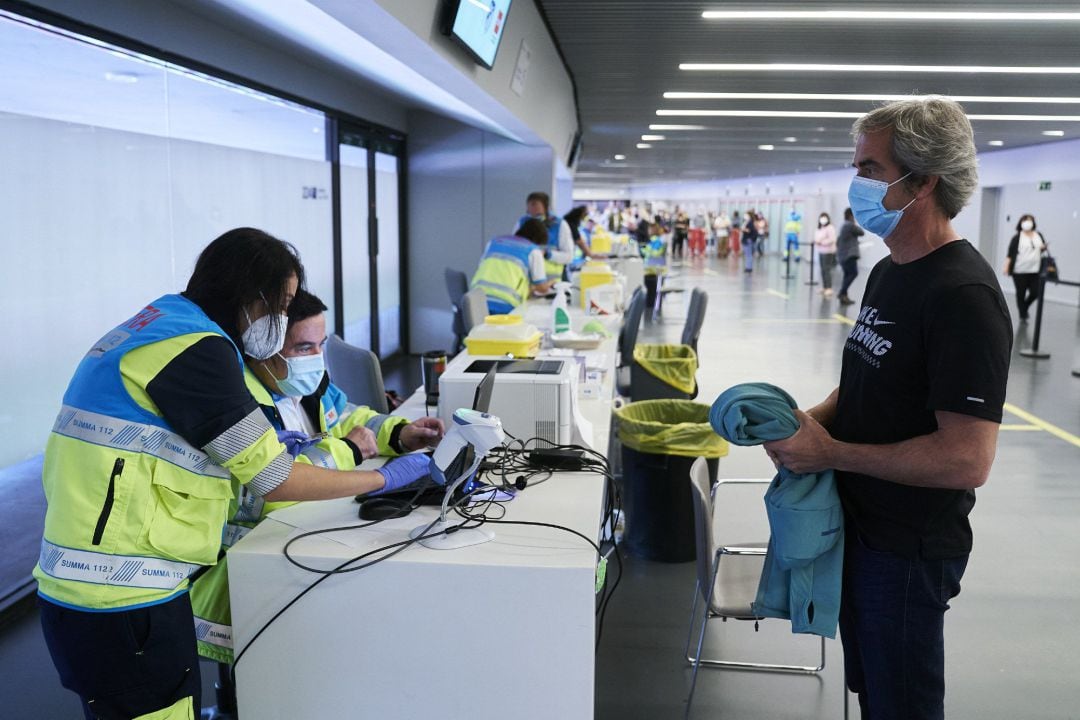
(1044, 185)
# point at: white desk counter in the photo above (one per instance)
(501, 630)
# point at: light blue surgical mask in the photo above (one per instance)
(865, 198)
(303, 375)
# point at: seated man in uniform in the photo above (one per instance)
(296, 394)
(511, 268)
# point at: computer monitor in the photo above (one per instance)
(482, 397)
(481, 403)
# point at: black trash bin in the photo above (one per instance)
(660, 441)
(663, 372)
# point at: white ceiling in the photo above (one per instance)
(625, 55)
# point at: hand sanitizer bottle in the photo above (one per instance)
(560, 318)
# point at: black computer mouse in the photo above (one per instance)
(383, 508)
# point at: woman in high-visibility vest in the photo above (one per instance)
(156, 431)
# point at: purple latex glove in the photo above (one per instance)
(403, 471)
(294, 441)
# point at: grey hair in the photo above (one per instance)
(930, 136)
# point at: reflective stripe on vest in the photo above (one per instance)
(250, 506)
(103, 569)
(232, 534)
(99, 429)
(375, 423)
(213, 633)
(500, 288)
(320, 457)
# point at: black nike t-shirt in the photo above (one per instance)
(932, 334)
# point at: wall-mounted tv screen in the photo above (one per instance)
(478, 25)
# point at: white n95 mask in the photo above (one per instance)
(265, 337)
(865, 198)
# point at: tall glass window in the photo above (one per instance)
(389, 259)
(355, 259)
(117, 170)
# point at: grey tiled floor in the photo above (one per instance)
(1013, 635)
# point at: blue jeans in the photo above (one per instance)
(892, 617)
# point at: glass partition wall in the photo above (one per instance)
(369, 193)
(119, 167)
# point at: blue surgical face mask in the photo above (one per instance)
(303, 375)
(865, 198)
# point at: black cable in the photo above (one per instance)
(341, 568)
(614, 505)
(513, 456)
(597, 463)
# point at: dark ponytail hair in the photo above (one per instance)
(238, 268)
(575, 216)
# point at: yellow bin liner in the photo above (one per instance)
(674, 364)
(669, 427)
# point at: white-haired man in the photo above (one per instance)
(912, 427)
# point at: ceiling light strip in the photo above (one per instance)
(898, 15)
(825, 67)
(865, 97)
(677, 127)
(837, 114)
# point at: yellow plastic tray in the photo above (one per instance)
(528, 347)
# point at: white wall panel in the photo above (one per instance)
(215, 189)
(465, 187)
(97, 222)
(83, 251)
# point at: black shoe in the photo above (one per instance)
(1023, 318)
(845, 300)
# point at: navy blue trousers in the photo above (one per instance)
(892, 617)
(127, 663)
(851, 269)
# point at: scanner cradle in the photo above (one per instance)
(472, 436)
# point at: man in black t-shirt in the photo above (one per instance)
(912, 428)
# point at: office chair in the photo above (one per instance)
(695, 318)
(727, 580)
(474, 308)
(357, 372)
(457, 284)
(628, 339)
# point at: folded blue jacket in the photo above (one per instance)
(803, 566)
